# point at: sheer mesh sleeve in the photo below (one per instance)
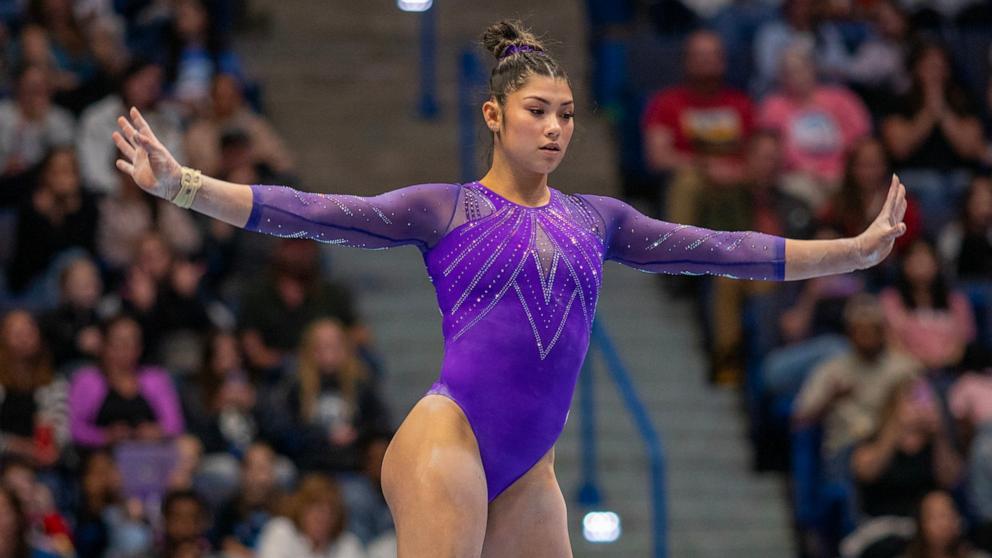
(418, 215)
(638, 241)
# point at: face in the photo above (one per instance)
(154, 257)
(869, 166)
(33, 92)
(191, 18)
(940, 521)
(867, 336)
(920, 265)
(226, 356)
(61, 175)
(980, 203)
(535, 117)
(184, 520)
(259, 469)
(330, 347)
(34, 46)
(83, 285)
(704, 58)
(317, 520)
(21, 337)
(932, 69)
(890, 20)
(764, 159)
(122, 346)
(143, 88)
(101, 477)
(226, 95)
(798, 72)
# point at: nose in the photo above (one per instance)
(554, 129)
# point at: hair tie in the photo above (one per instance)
(513, 49)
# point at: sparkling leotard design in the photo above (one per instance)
(517, 288)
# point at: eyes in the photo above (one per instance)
(539, 112)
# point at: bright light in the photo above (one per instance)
(414, 5)
(601, 527)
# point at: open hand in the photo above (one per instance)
(875, 243)
(146, 160)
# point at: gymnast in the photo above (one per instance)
(517, 267)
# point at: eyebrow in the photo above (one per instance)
(547, 102)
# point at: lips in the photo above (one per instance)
(551, 147)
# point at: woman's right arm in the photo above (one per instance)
(417, 214)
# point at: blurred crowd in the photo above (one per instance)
(169, 387)
(871, 391)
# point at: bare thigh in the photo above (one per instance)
(434, 484)
(529, 519)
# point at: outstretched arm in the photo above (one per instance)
(416, 215)
(634, 239)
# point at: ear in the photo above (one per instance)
(492, 114)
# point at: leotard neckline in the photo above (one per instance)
(509, 201)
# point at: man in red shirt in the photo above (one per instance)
(701, 116)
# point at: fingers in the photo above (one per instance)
(127, 128)
(126, 148)
(124, 166)
(141, 124)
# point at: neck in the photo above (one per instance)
(516, 184)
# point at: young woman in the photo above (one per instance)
(517, 268)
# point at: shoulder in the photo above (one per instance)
(347, 546)
(153, 376)
(279, 529)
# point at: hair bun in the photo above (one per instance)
(506, 33)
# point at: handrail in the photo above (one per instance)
(589, 493)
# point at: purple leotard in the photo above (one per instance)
(516, 286)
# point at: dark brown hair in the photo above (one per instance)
(316, 488)
(512, 71)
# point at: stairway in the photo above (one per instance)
(340, 83)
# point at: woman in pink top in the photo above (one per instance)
(926, 319)
(122, 400)
(818, 123)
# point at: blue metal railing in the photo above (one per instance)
(589, 493)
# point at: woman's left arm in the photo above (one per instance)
(638, 241)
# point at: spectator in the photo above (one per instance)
(30, 126)
(73, 329)
(877, 68)
(926, 318)
(939, 532)
(909, 455)
(332, 399)
(228, 112)
(35, 49)
(702, 114)
(970, 401)
(49, 530)
(33, 413)
(848, 392)
(241, 519)
(275, 310)
(69, 43)
(123, 400)
(14, 530)
(128, 214)
(106, 525)
(802, 21)
(312, 525)
(141, 87)
(368, 513)
(966, 243)
(757, 204)
(818, 125)
(185, 520)
(57, 218)
(867, 177)
(221, 401)
(934, 134)
(163, 293)
(196, 53)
